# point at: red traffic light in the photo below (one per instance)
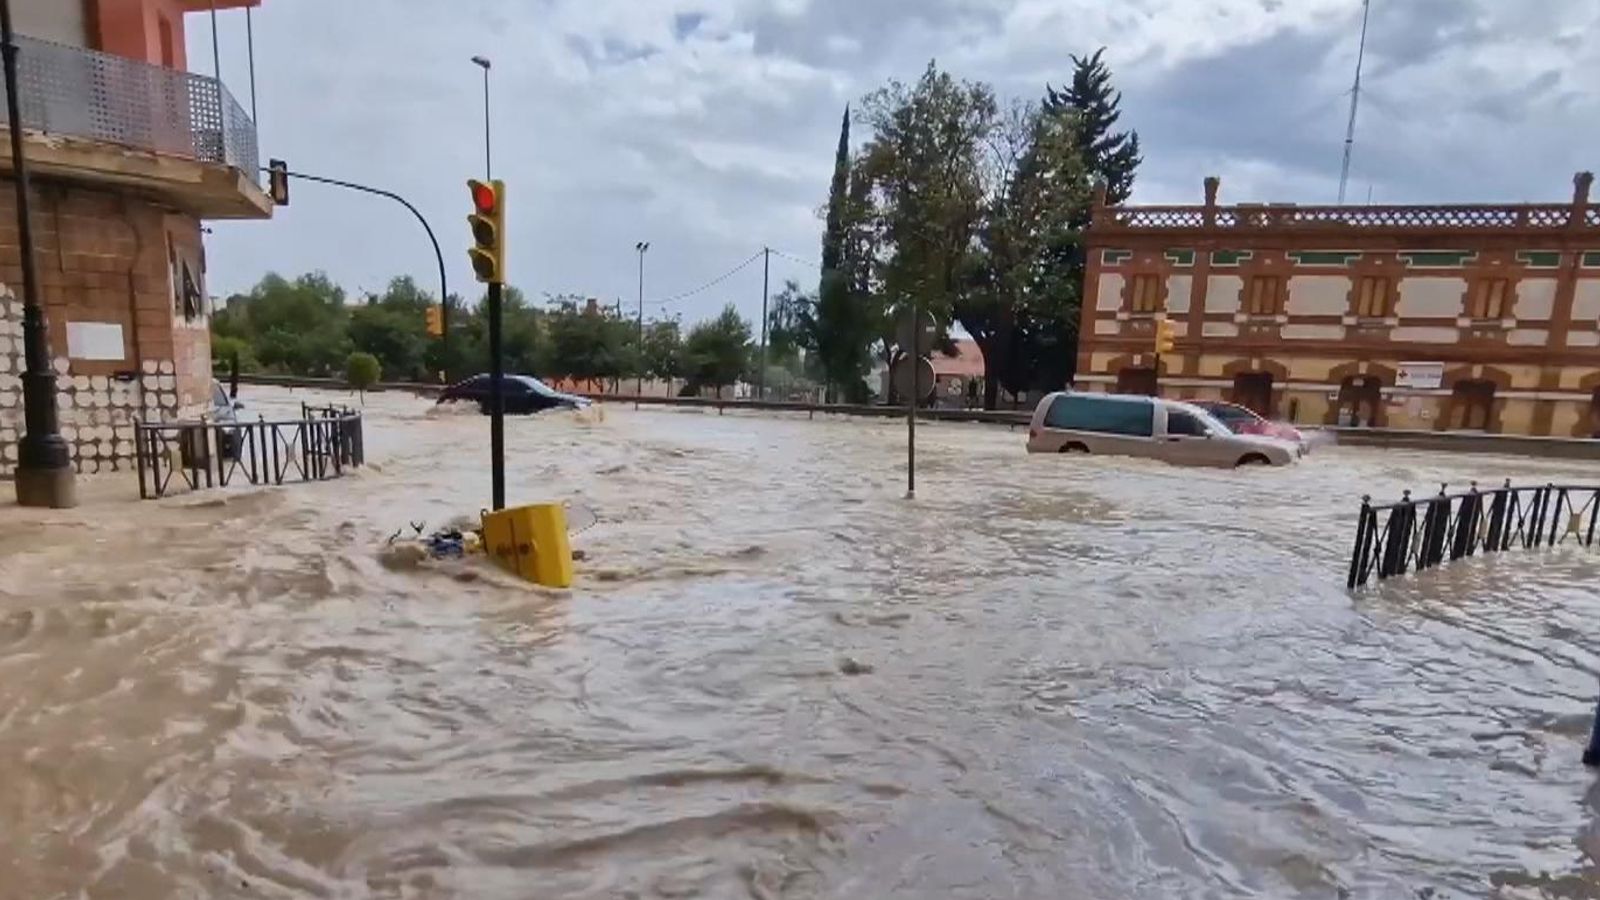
(484, 197)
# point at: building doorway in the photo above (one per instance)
(1471, 406)
(1360, 401)
(1253, 390)
(1136, 381)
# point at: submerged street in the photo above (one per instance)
(1045, 677)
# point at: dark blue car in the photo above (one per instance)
(523, 394)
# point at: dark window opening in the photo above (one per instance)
(1253, 391)
(1471, 405)
(1137, 381)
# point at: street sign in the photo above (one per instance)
(907, 333)
(902, 377)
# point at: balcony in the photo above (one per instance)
(113, 121)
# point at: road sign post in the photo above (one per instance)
(915, 334)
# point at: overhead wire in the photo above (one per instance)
(708, 285)
(795, 259)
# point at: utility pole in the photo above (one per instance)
(1355, 103)
(761, 374)
(44, 475)
(642, 247)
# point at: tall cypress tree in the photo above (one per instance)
(838, 328)
(1112, 156)
(833, 238)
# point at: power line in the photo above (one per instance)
(795, 259)
(710, 284)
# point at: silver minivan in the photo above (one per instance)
(1150, 427)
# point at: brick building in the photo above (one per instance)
(129, 153)
(1430, 317)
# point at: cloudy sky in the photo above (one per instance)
(707, 127)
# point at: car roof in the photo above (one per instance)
(1123, 398)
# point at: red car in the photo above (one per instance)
(1245, 421)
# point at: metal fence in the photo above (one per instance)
(98, 96)
(1414, 535)
(191, 456)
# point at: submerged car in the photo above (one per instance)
(1243, 420)
(1149, 427)
(521, 394)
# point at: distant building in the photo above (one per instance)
(129, 153)
(1433, 317)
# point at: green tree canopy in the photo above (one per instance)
(589, 344)
(663, 355)
(362, 371)
(717, 352)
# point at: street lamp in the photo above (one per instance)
(44, 474)
(638, 389)
(488, 166)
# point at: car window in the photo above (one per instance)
(1076, 412)
(1183, 423)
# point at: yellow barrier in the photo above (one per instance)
(531, 541)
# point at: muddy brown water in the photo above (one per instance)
(777, 678)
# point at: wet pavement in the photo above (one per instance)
(1045, 677)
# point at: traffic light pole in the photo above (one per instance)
(444, 287)
(497, 408)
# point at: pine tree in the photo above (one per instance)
(1113, 156)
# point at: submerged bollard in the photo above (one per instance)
(1591, 754)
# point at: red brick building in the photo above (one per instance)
(1433, 317)
(129, 153)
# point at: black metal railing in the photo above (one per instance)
(1415, 535)
(191, 456)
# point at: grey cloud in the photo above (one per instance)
(708, 126)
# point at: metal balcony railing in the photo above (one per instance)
(98, 96)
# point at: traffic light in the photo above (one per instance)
(435, 319)
(278, 181)
(1163, 336)
(488, 222)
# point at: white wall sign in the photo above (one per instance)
(1422, 376)
(94, 340)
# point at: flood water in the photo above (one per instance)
(1044, 678)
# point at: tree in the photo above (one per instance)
(788, 326)
(1021, 304)
(225, 349)
(925, 167)
(716, 353)
(662, 355)
(1091, 108)
(1112, 156)
(361, 372)
(839, 322)
(589, 344)
(298, 327)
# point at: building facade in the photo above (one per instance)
(128, 153)
(1422, 317)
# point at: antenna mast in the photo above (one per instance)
(1355, 103)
